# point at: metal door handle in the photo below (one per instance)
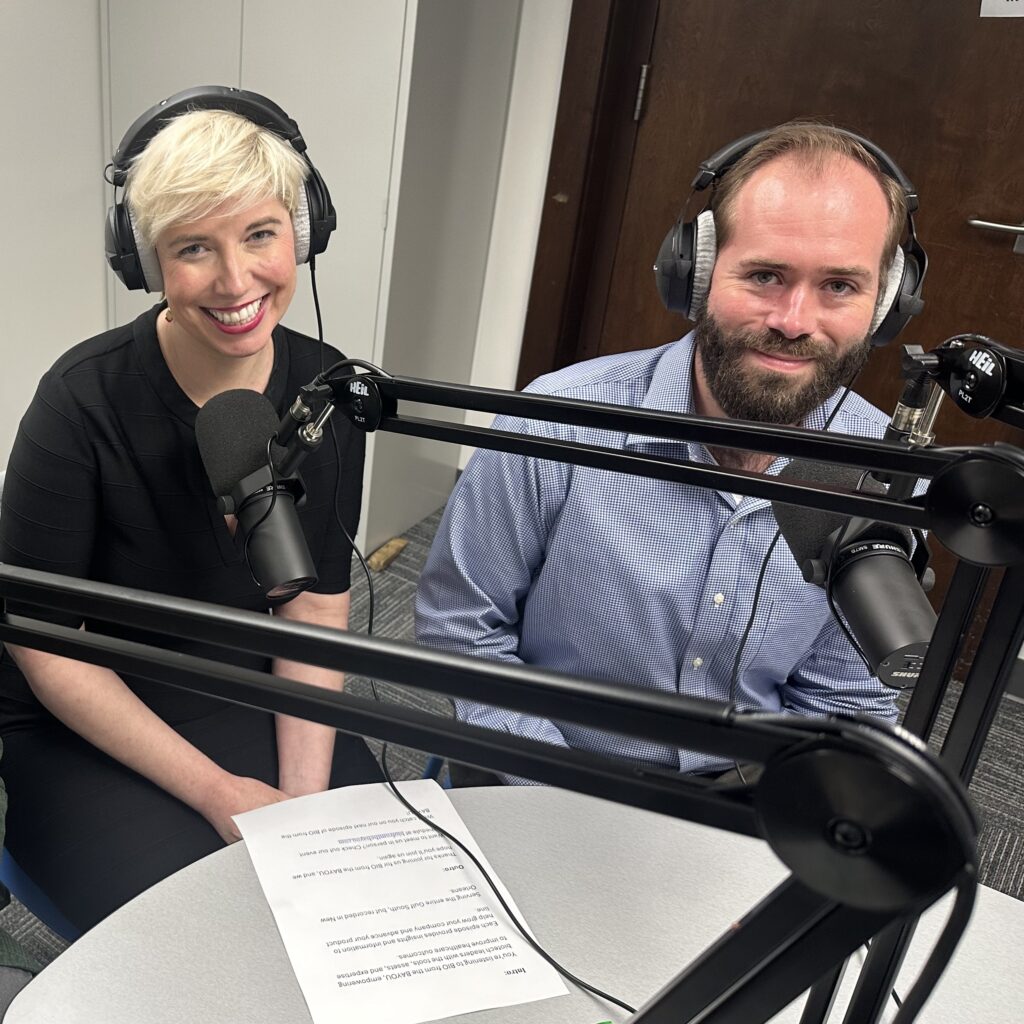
(1009, 229)
(988, 225)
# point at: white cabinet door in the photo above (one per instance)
(334, 65)
(153, 51)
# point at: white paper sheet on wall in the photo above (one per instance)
(383, 920)
(1002, 8)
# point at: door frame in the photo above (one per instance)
(596, 124)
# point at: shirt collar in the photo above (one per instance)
(670, 390)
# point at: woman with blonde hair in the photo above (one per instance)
(116, 782)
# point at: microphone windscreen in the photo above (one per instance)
(806, 530)
(232, 430)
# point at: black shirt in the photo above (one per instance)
(105, 482)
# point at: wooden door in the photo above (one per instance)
(933, 84)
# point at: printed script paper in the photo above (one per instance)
(383, 919)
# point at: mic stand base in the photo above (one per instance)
(764, 961)
(878, 975)
(822, 996)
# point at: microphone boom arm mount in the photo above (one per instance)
(973, 532)
(984, 378)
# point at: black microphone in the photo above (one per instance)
(232, 431)
(866, 567)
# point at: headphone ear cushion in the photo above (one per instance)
(888, 296)
(315, 220)
(300, 226)
(149, 264)
(705, 252)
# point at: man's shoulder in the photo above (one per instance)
(858, 416)
(620, 379)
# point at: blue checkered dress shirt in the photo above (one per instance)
(626, 579)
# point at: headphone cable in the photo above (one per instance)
(520, 927)
(266, 515)
(734, 679)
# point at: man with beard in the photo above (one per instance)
(651, 583)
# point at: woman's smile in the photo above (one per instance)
(238, 319)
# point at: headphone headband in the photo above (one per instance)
(719, 163)
(135, 262)
(249, 105)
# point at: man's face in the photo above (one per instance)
(793, 292)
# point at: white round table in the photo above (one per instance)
(621, 897)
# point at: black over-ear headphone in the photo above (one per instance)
(135, 262)
(686, 259)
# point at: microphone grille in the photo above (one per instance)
(232, 430)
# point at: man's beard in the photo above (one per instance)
(747, 393)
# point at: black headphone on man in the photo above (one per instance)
(135, 262)
(686, 258)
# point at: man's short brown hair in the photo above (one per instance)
(815, 145)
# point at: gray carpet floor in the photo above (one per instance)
(997, 789)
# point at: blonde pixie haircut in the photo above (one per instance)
(207, 160)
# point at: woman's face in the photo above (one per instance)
(230, 278)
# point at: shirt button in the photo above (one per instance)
(697, 662)
(719, 598)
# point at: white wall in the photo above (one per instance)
(52, 193)
(533, 104)
(452, 138)
(152, 51)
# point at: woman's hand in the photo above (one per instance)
(234, 795)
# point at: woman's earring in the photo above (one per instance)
(167, 314)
